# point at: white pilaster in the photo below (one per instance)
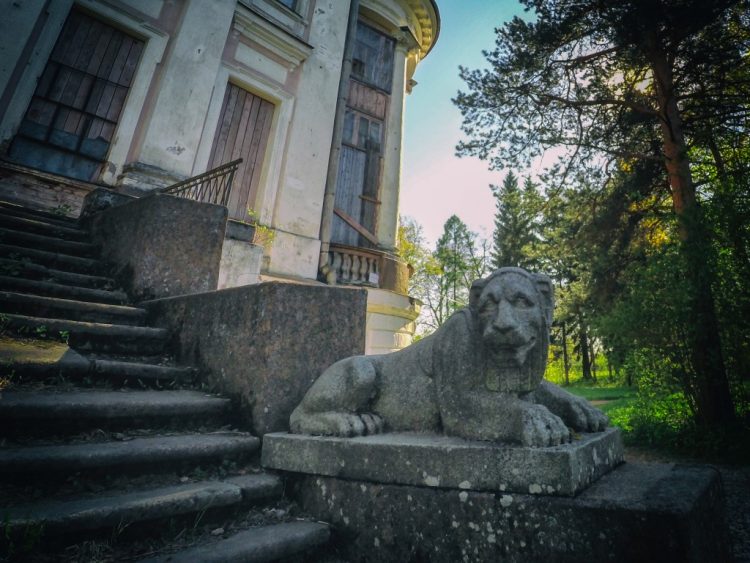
(173, 133)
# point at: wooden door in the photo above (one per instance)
(242, 132)
(76, 106)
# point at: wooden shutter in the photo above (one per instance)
(76, 106)
(242, 132)
(351, 176)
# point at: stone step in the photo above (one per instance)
(98, 337)
(142, 373)
(31, 224)
(7, 208)
(48, 243)
(57, 308)
(153, 454)
(133, 510)
(56, 260)
(28, 270)
(147, 372)
(28, 413)
(52, 289)
(266, 543)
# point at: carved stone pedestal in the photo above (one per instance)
(415, 504)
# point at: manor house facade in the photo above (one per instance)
(136, 95)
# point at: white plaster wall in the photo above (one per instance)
(240, 263)
(176, 123)
(300, 197)
(17, 21)
(294, 255)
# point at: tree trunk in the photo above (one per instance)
(715, 402)
(566, 358)
(593, 361)
(585, 356)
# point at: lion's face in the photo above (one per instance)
(513, 319)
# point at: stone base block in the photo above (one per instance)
(638, 512)
(442, 461)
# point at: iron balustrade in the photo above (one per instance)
(213, 186)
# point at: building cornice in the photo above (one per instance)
(292, 50)
(428, 17)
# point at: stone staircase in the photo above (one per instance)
(109, 451)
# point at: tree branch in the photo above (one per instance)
(585, 58)
(601, 102)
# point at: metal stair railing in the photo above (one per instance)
(213, 186)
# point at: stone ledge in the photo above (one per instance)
(446, 462)
(638, 512)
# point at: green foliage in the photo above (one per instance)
(607, 392)
(516, 231)
(646, 223)
(456, 254)
(62, 210)
(262, 235)
(441, 278)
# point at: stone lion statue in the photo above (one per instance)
(479, 376)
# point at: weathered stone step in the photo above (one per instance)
(57, 308)
(25, 413)
(132, 509)
(27, 270)
(52, 289)
(83, 369)
(142, 372)
(100, 337)
(40, 226)
(48, 243)
(7, 208)
(266, 543)
(154, 454)
(59, 261)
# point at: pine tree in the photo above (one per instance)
(516, 223)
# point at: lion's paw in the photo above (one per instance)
(541, 428)
(344, 424)
(583, 417)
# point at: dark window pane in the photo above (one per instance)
(364, 131)
(291, 4)
(349, 127)
(373, 57)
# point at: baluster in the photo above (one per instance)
(373, 269)
(355, 268)
(346, 269)
(336, 265)
(363, 269)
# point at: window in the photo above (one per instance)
(291, 4)
(362, 132)
(76, 106)
(373, 57)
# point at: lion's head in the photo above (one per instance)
(513, 309)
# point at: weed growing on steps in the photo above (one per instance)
(62, 210)
(16, 548)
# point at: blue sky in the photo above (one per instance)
(436, 184)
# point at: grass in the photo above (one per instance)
(603, 393)
(662, 422)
